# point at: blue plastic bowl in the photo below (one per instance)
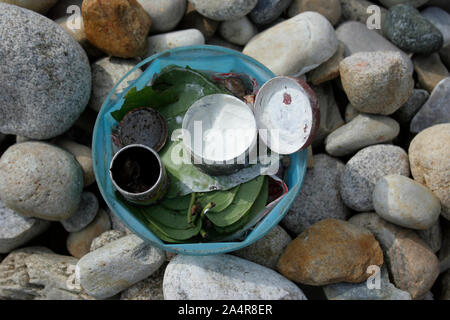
(217, 59)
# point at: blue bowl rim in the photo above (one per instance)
(193, 249)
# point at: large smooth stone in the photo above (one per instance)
(319, 197)
(330, 9)
(294, 46)
(358, 38)
(225, 277)
(331, 251)
(405, 202)
(267, 11)
(36, 273)
(40, 6)
(364, 130)
(363, 170)
(376, 82)
(238, 31)
(436, 110)
(224, 10)
(164, 14)
(45, 78)
(429, 156)
(407, 29)
(411, 263)
(40, 180)
(267, 250)
(16, 230)
(117, 266)
(361, 291)
(172, 40)
(106, 73)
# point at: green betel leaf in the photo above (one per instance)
(220, 199)
(177, 204)
(147, 97)
(176, 234)
(167, 217)
(257, 207)
(242, 203)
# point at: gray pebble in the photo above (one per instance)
(436, 110)
(364, 130)
(319, 197)
(415, 101)
(16, 230)
(238, 31)
(164, 14)
(85, 214)
(363, 170)
(266, 11)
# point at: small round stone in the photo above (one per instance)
(376, 82)
(164, 14)
(85, 214)
(408, 30)
(319, 197)
(405, 202)
(415, 101)
(429, 156)
(364, 130)
(40, 180)
(238, 31)
(224, 10)
(363, 170)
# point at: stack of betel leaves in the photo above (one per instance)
(198, 207)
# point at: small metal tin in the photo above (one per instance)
(139, 175)
(143, 126)
(287, 114)
(227, 134)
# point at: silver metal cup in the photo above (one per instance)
(139, 175)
